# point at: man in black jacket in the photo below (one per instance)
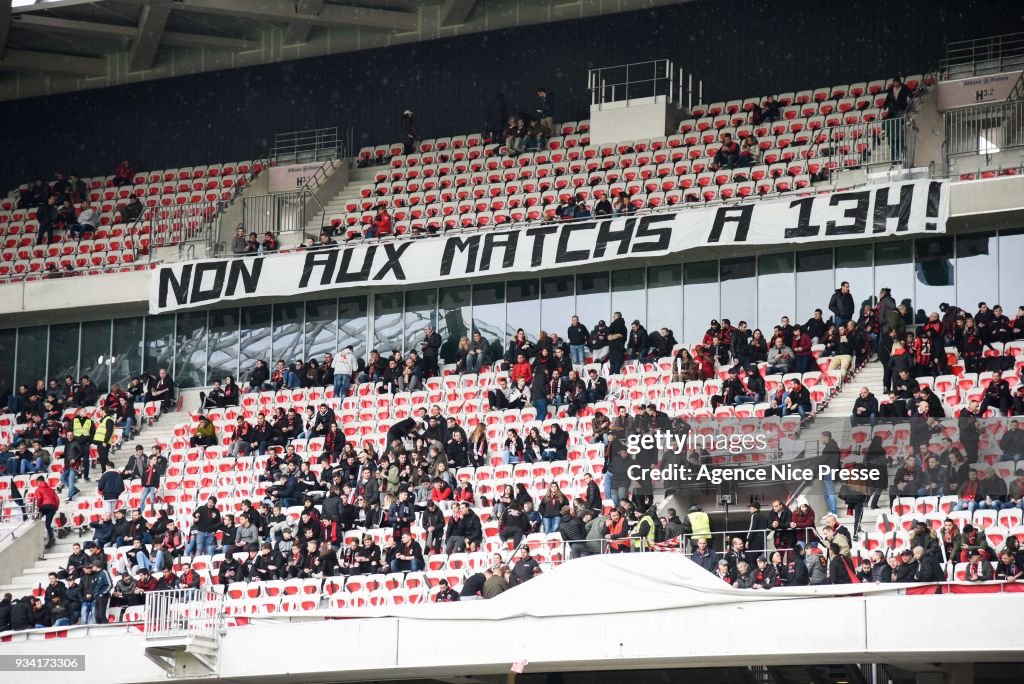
(841, 305)
(46, 215)
(5, 612)
(430, 346)
(617, 338)
(865, 409)
(573, 533)
(579, 338)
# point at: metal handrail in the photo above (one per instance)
(602, 91)
(183, 613)
(312, 144)
(1001, 124)
(27, 512)
(990, 54)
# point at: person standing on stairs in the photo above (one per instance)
(832, 458)
(47, 502)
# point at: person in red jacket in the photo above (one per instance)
(47, 502)
(522, 369)
(123, 175)
(441, 491)
(381, 225)
(802, 350)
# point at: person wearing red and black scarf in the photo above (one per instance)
(1009, 568)
(868, 324)
(971, 346)
(1017, 325)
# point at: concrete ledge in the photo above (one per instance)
(22, 551)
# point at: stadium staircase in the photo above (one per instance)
(357, 178)
(837, 414)
(34, 577)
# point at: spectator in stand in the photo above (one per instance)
(47, 502)
(728, 155)
(240, 245)
(269, 243)
(86, 221)
(894, 108)
(750, 152)
(47, 215)
(603, 206)
(409, 134)
(841, 305)
(865, 409)
(381, 224)
(163, 390)
(802, 350)
(771, 110)
(546, 111)
(123, 174)
(477, 353)
(515, 135)
(780, 357)
(535, 136)
(132, 210)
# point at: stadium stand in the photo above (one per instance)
(172, 206)
(468, 181)
(287, 453)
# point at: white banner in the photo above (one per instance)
(896, 209)
(291, 178)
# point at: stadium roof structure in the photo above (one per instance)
(94, 43)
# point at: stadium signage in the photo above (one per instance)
(911, 207)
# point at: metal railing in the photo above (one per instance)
(626, 82)
(181, 223)
(1018, 90)
(177, 613)
(984, 130)
(989, 55)
(883, 141)
(318, 144)
(285, 212)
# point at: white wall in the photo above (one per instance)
(615, 121)
(834, 630)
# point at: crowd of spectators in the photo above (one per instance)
(62, 205)
(412, 480)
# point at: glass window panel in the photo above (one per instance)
(665, 297)
(593, 301)
(352, 324)
(159, 347)
(628, 295)
(739, 290)
(933, 270)
(96, 360)
(222, 348)
(387, 322)
(522, 309)
(700, 299)
(288, 337)
(454, 317)
(8, 340)
(976, 263)
(126, 350)
(1011, 275)
(190, 352)
(488, 316)
(254, 339)
(855, 264)
(894, 270)
(557, 306)
(776, 288)
(64, 351)
(420, 311)
(813, 278)
(32, 343)
(321, 328)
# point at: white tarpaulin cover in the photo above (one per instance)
(625, 582)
